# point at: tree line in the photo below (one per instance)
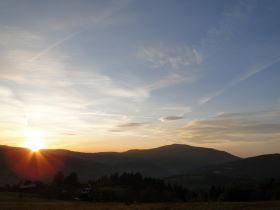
(133, 187)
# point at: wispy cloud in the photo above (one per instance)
(171, 118)
(141, 92)
(173, 58)
(129, 126)
(250, 126)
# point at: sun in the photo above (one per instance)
(34, 140)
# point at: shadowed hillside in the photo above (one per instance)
(158, 162)
(242, 170)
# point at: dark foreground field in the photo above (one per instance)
(11, 201)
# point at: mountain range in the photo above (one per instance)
(177, 163)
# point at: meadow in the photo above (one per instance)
(11, 201)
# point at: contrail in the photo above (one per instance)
(105, 15)
(236, 81)
(113, 115)
(54, 45)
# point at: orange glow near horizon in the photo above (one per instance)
(32, 162)
(34, 165)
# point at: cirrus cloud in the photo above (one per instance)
(174, 58)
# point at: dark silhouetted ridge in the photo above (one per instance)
(163, 161)
(252, 168)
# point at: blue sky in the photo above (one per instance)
(115, 75)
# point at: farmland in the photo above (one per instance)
(11, 201)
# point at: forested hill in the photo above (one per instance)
(157, 162)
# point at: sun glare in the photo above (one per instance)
(34, 140)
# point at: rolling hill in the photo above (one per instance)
(244, 170)
(157, 162)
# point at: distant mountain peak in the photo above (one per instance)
(169, 146)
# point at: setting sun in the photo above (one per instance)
(34, 140)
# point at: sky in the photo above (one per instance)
(95, 76)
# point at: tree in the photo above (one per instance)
(72, 180)
(58, 179)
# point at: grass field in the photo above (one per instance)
(10, 201)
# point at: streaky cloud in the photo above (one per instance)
(171, 118)
(237, 127)
(246, 75)
(131, 125)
